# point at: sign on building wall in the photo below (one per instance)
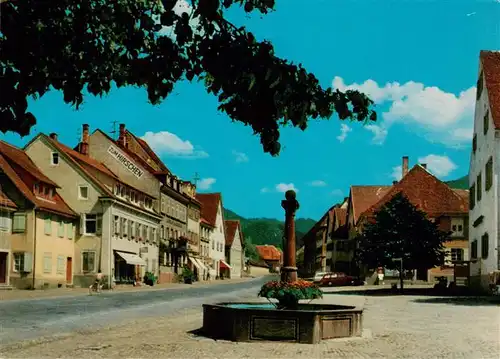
(128, 164)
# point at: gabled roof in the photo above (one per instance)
(425, 191)
(268, 252)
(339, 223)
(231, 227)
(363, 197)
(18, 167)
(5, 201)
(145, 146)
(209, 205)
(491, 71)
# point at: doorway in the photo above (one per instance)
(3, 267)
(69, 270)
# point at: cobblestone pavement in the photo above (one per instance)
(395, 327)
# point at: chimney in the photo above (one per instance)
(424, 165)
(405, 166)
(53, 135)
(84, 145)
(122, 141)
(394, 183)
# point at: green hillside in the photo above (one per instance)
(461, 183)
(268, 230)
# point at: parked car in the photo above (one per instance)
(339, 279)
(318, 276)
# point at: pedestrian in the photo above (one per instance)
(380, 275)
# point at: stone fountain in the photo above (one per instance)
(304, 323)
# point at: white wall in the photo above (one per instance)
(488, 206)
(236, 256)
(218, 241)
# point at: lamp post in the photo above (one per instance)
(290, 205)
(400, 260)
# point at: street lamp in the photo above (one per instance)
(400, 260)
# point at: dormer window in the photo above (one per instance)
(36, 188)
(123, 190)
(132, 196)
(47, 191)
(54, 159)
(117, 189)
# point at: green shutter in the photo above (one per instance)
(69, 230)
(60, 229)
(48, 225)
(19, 222)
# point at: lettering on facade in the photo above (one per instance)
(125, 161)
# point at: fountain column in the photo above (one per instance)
(289, 269)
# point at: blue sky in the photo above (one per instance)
(417, 59)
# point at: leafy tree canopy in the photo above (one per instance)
(78, 45)
(400, 230)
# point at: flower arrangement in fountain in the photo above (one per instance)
(288, 294)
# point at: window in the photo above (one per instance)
(132, 196)
(83, 192)
(54, 159)
(124, 227)
(489, 174)
(60, 229)
(138, 230)
(4, 222)
(479, 185)
(131, 229)
(88, 261)
(47, 262)
(48, 225)
(485, 246)
(454, 228)
(61, 264)
(90, 223)
(69, 230)
(474, 143)
(47, 191)
(18, 262)
(163, 205)
(162, 231)
(123, 191)
(19, 222)
(36, 188)
(472, 196)
(460, 228)
(144, 232)
(473, 249)
(479, 86)
(153, 235)
(457, 254)
(116, 225)
(213, 245)
(117, 189)
(486, 122)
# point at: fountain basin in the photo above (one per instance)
(308, 324)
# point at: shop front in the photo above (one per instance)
(129, 267)
(224, 269)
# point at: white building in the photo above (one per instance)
(484, 173)
(234, 248)
(118, 233)
(212, 212)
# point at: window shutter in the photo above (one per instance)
(99, 224)
(48, 225)
(27, 263)
(69, 229)
(82, 223)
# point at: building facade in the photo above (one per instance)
(206, 232)
(118, 230)
(37, 236)
(212, 212)
(484, 174)
(234, 248)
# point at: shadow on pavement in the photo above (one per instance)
(387, 292)
(465, 301)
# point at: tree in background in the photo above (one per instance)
(250, 250)
(400, 230)
(87, 46)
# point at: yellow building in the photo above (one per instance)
(37, 227)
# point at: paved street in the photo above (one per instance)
(33, 318)
(399, 327)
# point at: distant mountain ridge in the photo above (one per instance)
(268, 230)
(460, 183)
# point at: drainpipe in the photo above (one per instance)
(33, 264)
(111, 255)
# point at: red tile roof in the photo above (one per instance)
(427, 193)
(491, 71)
(149, 151)
(268, 253)
(209, 206)
(363, 197)
(18, 167)
(231, 227)
(5, 201)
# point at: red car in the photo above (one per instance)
(337, 279)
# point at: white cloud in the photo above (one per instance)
(240, 157)
(181, 6)
(205, 183)
(441, 116)
(264, 190)
(440, 166)
(337, 193)
(344, 130)
(317, 183)
(166, 143)
(283, 187)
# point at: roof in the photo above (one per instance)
(231, 227)
(5, 201)
(491, 71)
(339, 223)
(19, 158)
(149, 151)
(464, 193)
(363, 197)
(12, 163)
(268, 252)
(426, 192)
(205, 222)
(209, 206)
